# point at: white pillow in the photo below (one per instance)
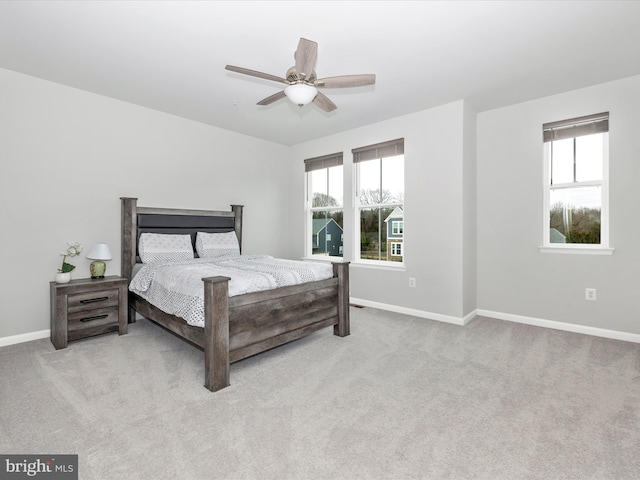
(214, 245)
(161, 247)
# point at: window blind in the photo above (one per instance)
(325, 161)
(379, 150)
(576, 127)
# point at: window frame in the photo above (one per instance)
(324, 162)
(378, 151)
(574, 128)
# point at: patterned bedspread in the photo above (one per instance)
(177, 287)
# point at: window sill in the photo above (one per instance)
(577, 249)
(324, 258)
(395, 266)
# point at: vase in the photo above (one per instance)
(63, 277)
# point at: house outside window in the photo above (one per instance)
(379, 171)
(576, 155)
(324, 205)
(395, 234)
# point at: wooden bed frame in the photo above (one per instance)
(240, 326)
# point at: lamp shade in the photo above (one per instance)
(301, 93)
(100, 251)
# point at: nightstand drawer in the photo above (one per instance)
(93, 318)
(92, 300)
(89, 319)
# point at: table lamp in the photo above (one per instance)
(98, 254)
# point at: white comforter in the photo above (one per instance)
(177, 288)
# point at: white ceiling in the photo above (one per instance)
(170, 55)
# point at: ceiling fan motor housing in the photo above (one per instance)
(293, 77)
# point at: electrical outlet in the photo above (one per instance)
(590, 294)
(412, 282)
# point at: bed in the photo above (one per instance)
(239, 326)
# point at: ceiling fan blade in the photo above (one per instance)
(255, 73)
(346, 81)
(324, 102)
(272, 98)
(306, 56)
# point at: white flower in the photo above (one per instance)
(73, 249)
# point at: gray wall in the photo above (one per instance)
(473, 213)
(513, 276)
(439, 235)
(66, 156)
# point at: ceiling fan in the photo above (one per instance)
(302, 82)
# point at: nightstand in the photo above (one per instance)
(86, 307)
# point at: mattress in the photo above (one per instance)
(176, 287)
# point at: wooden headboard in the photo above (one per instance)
(137, 220)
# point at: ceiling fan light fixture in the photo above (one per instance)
(301, 93)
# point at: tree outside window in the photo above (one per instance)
(380, 187)
(576, 155)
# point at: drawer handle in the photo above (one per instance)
(93, 300)
(91, 319)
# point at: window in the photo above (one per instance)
(379, 200)
(324, 205)
(396, 249)
(576, 182)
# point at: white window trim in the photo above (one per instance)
(322, 258)
(581, 249)
(308, 209)
(380, 265)
(356, 237)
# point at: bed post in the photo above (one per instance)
(343, 327)
(237, 209)
(128, 223)
(216, 332)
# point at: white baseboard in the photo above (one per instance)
(416, 313)
(24, 337)
(537, 322)
(568, 327)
